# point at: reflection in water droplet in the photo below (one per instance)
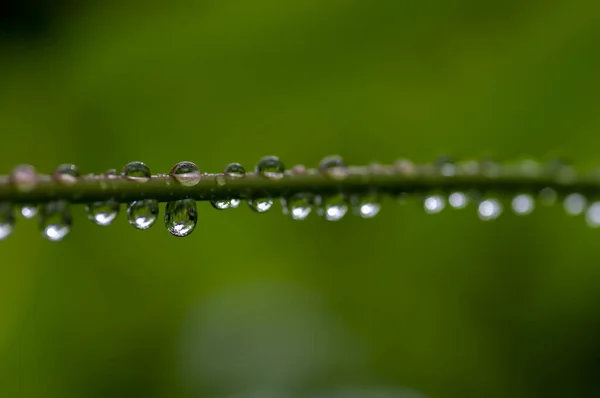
(234, 170)
(136, 171)
(29, 211)
(489, 209)
(333, 207)
(66, 174)
(220, 204)
(103, 213)
(181, 217)
(575, 204)
(592, 216)
(270, 167)
(7, 219)
(24, 178)
(186, 173)
(365, 206)
(458, 200)
(523, 204)
(234, 203)
(260, 205)
(434, 204)
(334, 167)
(548, 196)
(297, 206)
(55, 220)
(142, 214)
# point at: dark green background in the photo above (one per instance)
(258, 305)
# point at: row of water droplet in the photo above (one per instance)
(181, 216)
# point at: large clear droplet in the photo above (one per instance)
(333, 207)
(66, 174)
(270, 167)
(365, 206)
(103, 213)
(592, 216)
(260, 205)
(297, 206)
(24, 178)
(334, 167)
(575, 204)
(458, 200)
(29, 211)
(55, 220)
(434, 204)
(136, 171)
(489, 209)
(523, 204)
(7, 219)
(142, 214)
(186, 173)
(181, 217)
(234, 170)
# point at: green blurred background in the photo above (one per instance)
(258, 305)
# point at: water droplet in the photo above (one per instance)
(7, 219)
(523, 204)
(548, 196)
(103, 213)
(142, 214)
(66, 174)
(136, 171)
(55, 220)
(221, 204)
(334, 167)
(181, 217)
(29, 211)
(458, 200)
(235, 203)
(270, 167)
(260, 205)
(575, 204)
(186, 173)
(446, 166)
(221, 180)
(333, 207)
(434, 204)
(592, 216)
(24, 178)
(366, 206)
(297, 206)
(234, 170)
(489, 209)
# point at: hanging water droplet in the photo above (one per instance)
(575, 204)
(220, 204)
(592, 216)
(458, 200)
(523, 204)
(136, 171)
(103, 213)
(55, 220)
(548, 196)
(333, 207)
(142, 214)
(334, 167)
(434, 204)
(186, 173)
(234, 170)
(260, 205)
(297, 206)
(234, 203)
(66, 174)
(270, 167)
(7, 219)
(29, 211)
(446, 166)
(181, 217)
(24, 178)
(366, 206)
(489, 209)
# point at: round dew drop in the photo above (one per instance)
(592, 216)
(66, 174)
(7, 219)
(136, 171)
(489, 209)
(260, 205)
(458, 200)
(434, 204)
(270, 167)
(575, 204)
(29, 211)
(334, 167)
(103, 213)
(298, 206)
(181, 217)
(234, 170)
(365, 206)
(220, 204)
(333, 208)
(55, 220)
(24, 178)
(186, 173)
(142, 214)
(523, 204)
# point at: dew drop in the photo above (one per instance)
(523, 204)
(136, 171)
(434, 204)
(234, 170)
(55, 220)
(548, 196)
(297, 206)
(181, 217)
(592, 216)
(142, 214)
(66, 174)
(489, 209)
(103, 213)
(7, 219)
(29, 211)
(235, 203)
(365, 206)
(458, 200)
(575, 204)
(333, 208)
(186, 173)
(260, 205)
(270, 167)
(334, 167)
(24, 178)
(446, 166)
(220, 204)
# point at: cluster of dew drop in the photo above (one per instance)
(180, 216)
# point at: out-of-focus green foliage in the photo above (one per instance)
(258, 305)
